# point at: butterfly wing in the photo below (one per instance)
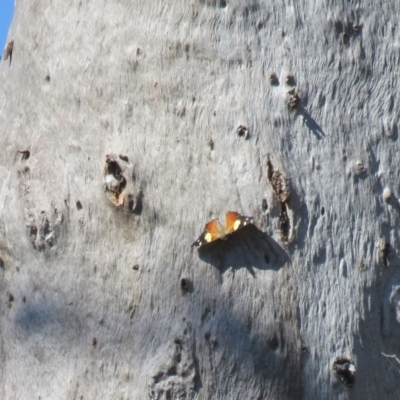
(211, 232)
(230, 218)
(235, 221)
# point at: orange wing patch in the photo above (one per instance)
(231, 217)
(213, 230)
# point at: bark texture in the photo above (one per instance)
(126, 126)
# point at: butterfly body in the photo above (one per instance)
(213, 230)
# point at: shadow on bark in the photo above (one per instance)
(203, 351)
(202, 348)
(312, 125)
(248, 248)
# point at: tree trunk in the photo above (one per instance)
(126, 126)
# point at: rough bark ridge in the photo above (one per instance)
(138, 121)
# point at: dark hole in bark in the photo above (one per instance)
(186, 285)
(345, 370)
(264, 205)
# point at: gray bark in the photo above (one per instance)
(131, 113)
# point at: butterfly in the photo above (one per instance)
(213, 230)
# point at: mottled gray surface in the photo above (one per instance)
(91, 299)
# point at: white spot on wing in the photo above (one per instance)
(236, 224)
